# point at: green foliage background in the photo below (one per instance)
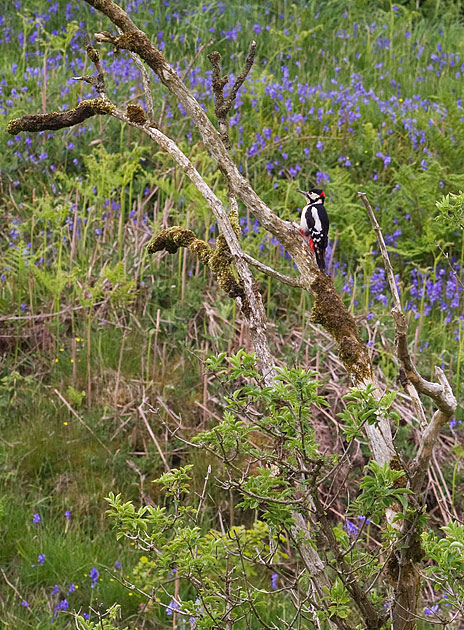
(86, 313)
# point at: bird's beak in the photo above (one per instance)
(303, 192)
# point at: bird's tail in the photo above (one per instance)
(320, 259)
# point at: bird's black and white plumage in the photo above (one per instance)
(314, 224)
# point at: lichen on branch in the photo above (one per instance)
(330, 313)
(60, 120)
(218, 259)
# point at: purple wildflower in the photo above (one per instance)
(274, 579)
(94, 574)
(350, 528)
(172, 607)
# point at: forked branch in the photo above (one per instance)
(223, 104)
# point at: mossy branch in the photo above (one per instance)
(60, 120)
(218, 259)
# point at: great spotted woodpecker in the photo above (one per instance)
(314, 224)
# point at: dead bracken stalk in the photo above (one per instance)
(84, 424)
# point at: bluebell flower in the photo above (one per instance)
(94, 574)
(322, 178)
(350, 528)
(386, 158)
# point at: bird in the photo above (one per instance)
(314, 224)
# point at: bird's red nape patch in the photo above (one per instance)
(323, 194)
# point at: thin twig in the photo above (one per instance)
(453, 270)
(293, 282)
(146, 83)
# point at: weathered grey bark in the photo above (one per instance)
(223, 104)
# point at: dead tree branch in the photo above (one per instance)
(60, 120)
(440, 392)
(329, 310)
(404, 568)
(223, 104)
(218, 259)
(269, 271)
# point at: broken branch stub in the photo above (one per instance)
(60, 120)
